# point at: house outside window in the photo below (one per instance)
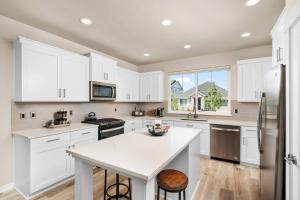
(206, 91)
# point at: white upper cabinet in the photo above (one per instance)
(75, 78)
(152, 86)
(127, 82)
(47, 74)
(279, 38)
(251, 77)
(102, 69)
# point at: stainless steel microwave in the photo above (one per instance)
(102, 91)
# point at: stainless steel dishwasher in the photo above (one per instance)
(225, 142)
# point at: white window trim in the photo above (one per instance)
(199, 112)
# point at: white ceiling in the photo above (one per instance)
(129, 28)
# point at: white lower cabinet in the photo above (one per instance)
(204, 135)
(249, 146)
(132, 125)
(42, 162)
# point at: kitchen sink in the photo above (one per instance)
(194, 119)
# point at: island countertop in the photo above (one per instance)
(137, 154)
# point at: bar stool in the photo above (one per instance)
(126, 195)
(172, 181)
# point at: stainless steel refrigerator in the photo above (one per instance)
(271, 135)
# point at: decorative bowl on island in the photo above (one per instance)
(157, 130)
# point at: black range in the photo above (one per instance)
(108, 127)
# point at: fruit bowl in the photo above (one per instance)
(157, 130)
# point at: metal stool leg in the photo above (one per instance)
(158, 190)
(183, 194)
(165, 195)
(129, 180)
(179, 195)
(105, 180)
(118, 186)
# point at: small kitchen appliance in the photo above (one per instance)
(160, 112)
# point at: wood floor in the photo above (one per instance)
(220, 181)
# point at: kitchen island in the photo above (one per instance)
(140, 157)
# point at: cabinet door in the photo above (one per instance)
(43, 171)
(96, 69)
(39, 74)
(249, 145)
(205, 142)
(109, 71)
(74, 78)
(246, 83)
(122, 84)
(145, 85)
(131, 126)
(134, 87)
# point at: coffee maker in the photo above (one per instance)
(160, 112)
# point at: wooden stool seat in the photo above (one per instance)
(172, 180)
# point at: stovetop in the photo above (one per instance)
(105, 123)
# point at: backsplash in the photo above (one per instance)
(246, 111)
(44, 112)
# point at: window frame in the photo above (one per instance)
(196, 72)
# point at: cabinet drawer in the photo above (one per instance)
(249, 129)
(192, 125)
(148, 122)
(167, 123)
(49, 142)
(85, 133)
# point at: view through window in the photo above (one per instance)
(205, 91)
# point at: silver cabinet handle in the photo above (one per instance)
(251, 130)
(85, 133)
(104, 77)
(189, 125)
(59, 92)
(57, 139)
(65, 93)
(244, 141)
(225, 129)
(73, 145)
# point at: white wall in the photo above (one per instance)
(6, 77)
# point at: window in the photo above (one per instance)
(210, 96)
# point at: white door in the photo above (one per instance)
(40, 74)
(293, 124)
(75, 78)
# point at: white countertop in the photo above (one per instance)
(42, 132)
(209, 121)
(137, 154)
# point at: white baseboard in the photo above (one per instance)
(6, 188)
(195, 191)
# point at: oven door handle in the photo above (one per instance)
(112, 129)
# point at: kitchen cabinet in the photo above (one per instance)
(127, 82)
(251, 77)
(74, 78)
(42, 162)
(249, 146)
(47, 74)
(132, 125)
(279, 40)
(102, 69)
(152, 86)
(204, 135)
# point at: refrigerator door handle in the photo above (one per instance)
(259, 123)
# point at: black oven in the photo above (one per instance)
(102, 91)
(106, 133)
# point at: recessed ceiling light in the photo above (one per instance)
(146, 54)
(188, 46)
(86, 21)
(251, 2)
(166, 22)
(244, 35)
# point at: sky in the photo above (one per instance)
(188, 81)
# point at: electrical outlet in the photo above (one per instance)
(32, 115)
(71, 112)
(116, 110)
(236, 111)
(22, 116)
